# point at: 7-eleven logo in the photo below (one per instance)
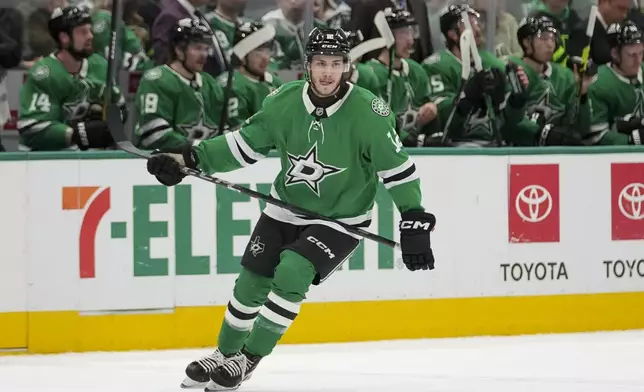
(95, 201)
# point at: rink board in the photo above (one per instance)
(98, 256)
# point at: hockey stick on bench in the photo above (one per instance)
(118, 133)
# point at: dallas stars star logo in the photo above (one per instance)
(309, 170)
(544, 105)
(256, 246)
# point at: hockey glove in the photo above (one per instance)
(518, 81)
(166, 165)
(633, 127)
(91, 134)
(415, 228)
(496, 89)
(552, 135)
(473, 92)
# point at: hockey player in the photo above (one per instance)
(134, 57)
(251, 80)
(60, 103)
(409, 96)
(361, 74)
(331, 161)
(558, 113)
(618, 95)
(178, 103)
(471, 123)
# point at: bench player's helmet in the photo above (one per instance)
(355, 38)
(533, 27)
(450, 19)
(186, 31)
(398, 18)
(623, 33)
(65, 20)
(251, 36)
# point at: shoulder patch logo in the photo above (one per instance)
(41, 72)
(99, 26)
(379, 107)
(153, 74)
(274, 92)
(223, 80)
(433, 59)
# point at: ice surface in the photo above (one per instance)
(594, 362)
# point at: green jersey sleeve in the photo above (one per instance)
(603, 113)
(444, 75)
(154, 104)
(42, 123)
(364, 77)
(392, 163)
(241, 148)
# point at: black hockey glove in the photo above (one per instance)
(518, 92)
(497, 88)
(91, 134)
(166, 164)
(472, 93)
(553, 135)
(415, 228)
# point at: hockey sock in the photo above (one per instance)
(293, 277)
(249, 295)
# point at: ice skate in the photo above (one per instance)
(198, 372)
(232, 372)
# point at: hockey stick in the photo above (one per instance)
(466, 65)
(113, 59)
(585, 54)
(118, 133)
(223, 118)
(380, 21)
(478, 67)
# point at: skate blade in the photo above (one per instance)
(189, 383)
(212, 387)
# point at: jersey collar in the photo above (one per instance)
(198, 80)
(625, 79)
(82, 73)
(310, 107)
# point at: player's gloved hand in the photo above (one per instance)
(166, 164)
(472, 93)
(415, 228)
(636, 137)
(91, 134)
(496, 87)
(518, 83)
(553, 135)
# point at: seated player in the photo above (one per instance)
(361, 74)
(178, 103)
(618, 94)
(558, 113)
(336, 141)
(402, 83)
(251, 81)
(61, 100)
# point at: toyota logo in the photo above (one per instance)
(630, 201)
(533, 203)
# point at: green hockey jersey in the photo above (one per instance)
(553, 96)
(247, 95)
(173, 110)
(52, 97)
(289, 40)
(444, 72)
(331, 164)
(134, 57)
(364, 76)
(614, 97)
(409, 91)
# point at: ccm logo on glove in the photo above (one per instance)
(406, 225)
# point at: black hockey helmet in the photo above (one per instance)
(64, 20)
(533, 26)
(327, 41)
(190, 30)
(623, 33)
(355, 38)
(452, 16)
(398, 18)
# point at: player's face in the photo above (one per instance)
(258, 60)
(326, 73)
(631, 59)
(196, 56)
(544, 46)
(83, 39)
(404, 41)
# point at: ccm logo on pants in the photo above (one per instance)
(321, 245)
(414, 225)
